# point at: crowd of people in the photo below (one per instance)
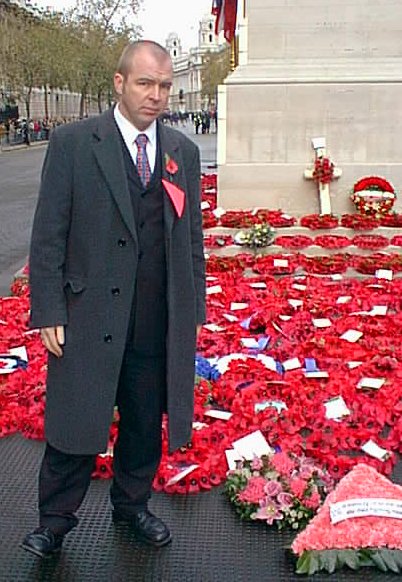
(23, 130)
(204, 121)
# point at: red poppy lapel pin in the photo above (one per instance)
(176, 194)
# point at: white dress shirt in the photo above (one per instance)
(130, 132)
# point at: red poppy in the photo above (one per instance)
(171, 166)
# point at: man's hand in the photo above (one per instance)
(199, 328)
(52, 339)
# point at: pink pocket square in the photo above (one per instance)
(176, 196)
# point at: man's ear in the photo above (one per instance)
(118, 80)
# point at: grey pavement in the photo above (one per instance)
(20, 169)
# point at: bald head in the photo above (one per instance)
(143, 81)
(125, 63)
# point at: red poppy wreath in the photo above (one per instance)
(373, 195)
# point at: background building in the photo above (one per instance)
(186, 95)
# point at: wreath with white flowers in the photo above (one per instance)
(257, 236)
(373, 195)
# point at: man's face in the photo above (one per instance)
(144, 91)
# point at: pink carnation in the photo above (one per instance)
(283, 464)
(298, 487)
(254, 491)
(313, 501)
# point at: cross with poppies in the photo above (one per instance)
(323, 172)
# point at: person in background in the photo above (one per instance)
(117, 281)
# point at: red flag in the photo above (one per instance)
(226, 15)
(216, 7)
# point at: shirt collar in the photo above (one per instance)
(130, 132)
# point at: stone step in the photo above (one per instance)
(311, 251)
(387, 231)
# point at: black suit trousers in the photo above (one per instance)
(64, 478)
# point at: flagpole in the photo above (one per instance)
(233, 51)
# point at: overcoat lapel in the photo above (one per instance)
(170, 147)
(109, 155)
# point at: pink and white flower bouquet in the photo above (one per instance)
(282, 489)
(359, 524)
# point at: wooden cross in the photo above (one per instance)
(318, 144)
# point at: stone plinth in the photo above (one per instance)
(312, 68)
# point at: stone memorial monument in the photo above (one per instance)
(308, 70)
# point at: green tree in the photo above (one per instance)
(99, 29)
(215, 69)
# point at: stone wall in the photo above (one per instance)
(313, 69)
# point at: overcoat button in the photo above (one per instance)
(140, 254)
(115, 291)
(142, 224)
(122, 242)
(107, 338)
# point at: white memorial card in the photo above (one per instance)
(317, 374)
(281, 263)
(182, 474)
(378, 310)
(9, 364)
(291, 364)
(249, 342)
(252, 445)
(371, 448)
(214, 289)
(336, 408)
(322, 322)
(365, 507)
(318, 143)
(343, 299)
(238, 306)
(384, 274)
(218, 414)
(232, 457)
(260, 285)
(213, 327)
(354, 364)
(352, 335)
(231, 318)
(199, 425)
(374, 383)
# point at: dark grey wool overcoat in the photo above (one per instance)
(84, 246)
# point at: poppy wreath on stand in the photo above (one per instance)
(373, 196)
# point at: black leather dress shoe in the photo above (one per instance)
(146, 526)
(42, 542)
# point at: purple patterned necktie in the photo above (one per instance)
(142, 159)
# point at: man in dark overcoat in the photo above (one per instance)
(118, 292)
